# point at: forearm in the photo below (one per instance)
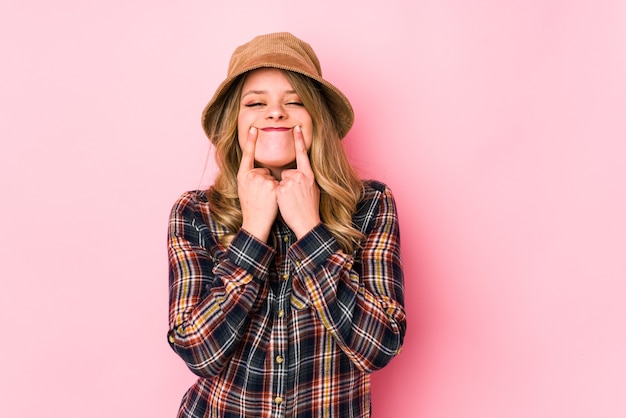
(211, 302)
(364, 315)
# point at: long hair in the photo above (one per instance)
(340, 186)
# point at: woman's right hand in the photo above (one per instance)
(257, 192)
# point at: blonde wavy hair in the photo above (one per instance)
(340, 186)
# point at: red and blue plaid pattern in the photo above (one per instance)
(289, 329)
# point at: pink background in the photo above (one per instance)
(500, 126)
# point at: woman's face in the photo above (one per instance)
(269, 103)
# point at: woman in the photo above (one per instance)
(286, 284)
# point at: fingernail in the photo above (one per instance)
(252, 129)
(298, 128)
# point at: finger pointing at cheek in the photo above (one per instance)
(256, 189)
(247, 159)
(298, 194)
(302, 158)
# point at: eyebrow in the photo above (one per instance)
(264, 92)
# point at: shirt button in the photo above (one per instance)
(278, 400)
(286, 238)
(298, 262)
(279, 359)
(286, 276)
(180, 330)
(281, 313)
(171, 338)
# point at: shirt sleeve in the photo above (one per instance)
(212, 292)
(359, 300)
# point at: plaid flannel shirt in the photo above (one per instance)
(289, 329)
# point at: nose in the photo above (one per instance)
(276, 112)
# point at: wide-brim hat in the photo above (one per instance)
(284, 51)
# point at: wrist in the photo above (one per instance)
(305, 229)
(260, 233)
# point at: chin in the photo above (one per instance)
(276, 163)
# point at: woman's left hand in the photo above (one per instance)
(298, 195)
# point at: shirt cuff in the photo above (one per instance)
(312, 250)
(251, 254)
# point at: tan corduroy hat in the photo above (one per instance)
(284, 51)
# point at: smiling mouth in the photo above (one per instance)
(273, 129)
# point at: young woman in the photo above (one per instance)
(286, 284)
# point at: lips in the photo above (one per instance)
(275, 129)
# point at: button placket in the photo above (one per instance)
(280, 326)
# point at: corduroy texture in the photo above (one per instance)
(284, 51)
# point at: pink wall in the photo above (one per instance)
(500, 125)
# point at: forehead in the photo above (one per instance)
(266, 78)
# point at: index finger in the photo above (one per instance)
(302, 157)
(247, 158)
